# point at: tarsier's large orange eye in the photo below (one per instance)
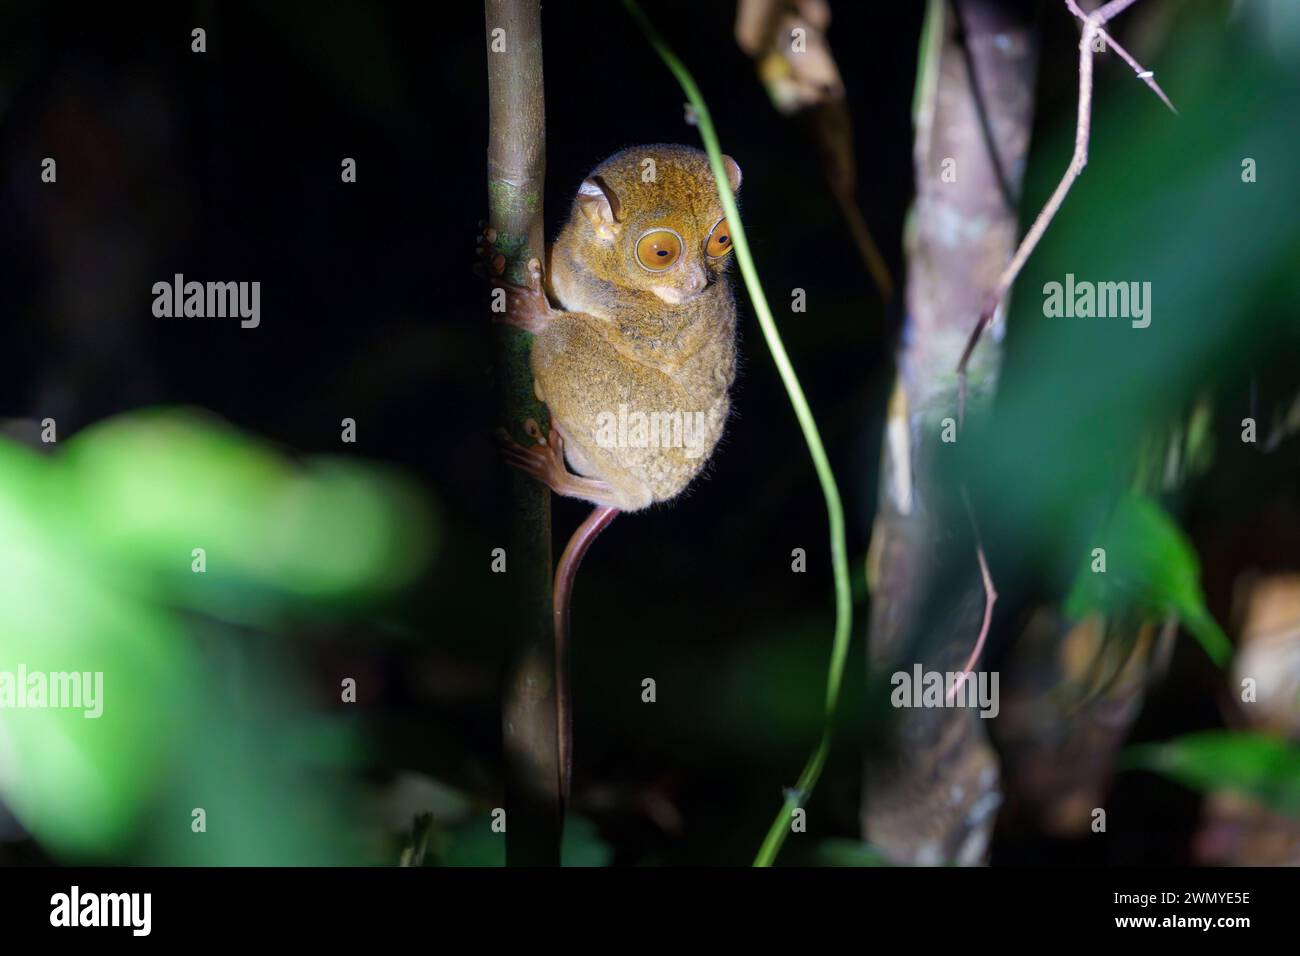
(658, 249)
(719, 243)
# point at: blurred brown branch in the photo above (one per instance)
(934, 800)
(787, 41)
(516, 172)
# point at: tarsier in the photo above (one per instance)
(645, 327)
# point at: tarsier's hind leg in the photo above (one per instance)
(603, 401)
(544, 461)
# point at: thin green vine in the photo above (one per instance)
(796, 796)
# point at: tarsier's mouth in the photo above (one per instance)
(672, 296)
(675, 296)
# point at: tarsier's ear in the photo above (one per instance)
(599, 203)
(733, 171)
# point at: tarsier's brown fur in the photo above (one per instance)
(619, 342)
(626, 341)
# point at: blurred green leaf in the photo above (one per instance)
(474, 843)
(582, 845)
(97, 560)
(76, 780)
(1151, 569)
(154, 485)
(841, 852)
(1262, 767)
(1080, 398)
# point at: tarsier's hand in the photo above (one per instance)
(526, 306)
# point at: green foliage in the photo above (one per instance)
(472, 842)
(1255, 765)
(1082, 400)
(78, 783)
(848, 853)
(148, 488)
(95, 577)
(1152, 570)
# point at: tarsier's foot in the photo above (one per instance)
(526, 306)
(491, 262)
(544, 461)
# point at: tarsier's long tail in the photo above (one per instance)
(565, 572)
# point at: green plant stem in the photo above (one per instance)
(834, 509)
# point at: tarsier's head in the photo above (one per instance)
(655, 220)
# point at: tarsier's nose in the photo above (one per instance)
(696, 282)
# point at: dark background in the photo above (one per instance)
(225, 166)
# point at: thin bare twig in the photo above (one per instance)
(1092, 28)
(990, 598)
(1110, 11)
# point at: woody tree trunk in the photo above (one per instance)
(933, 801)
(516, 172)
